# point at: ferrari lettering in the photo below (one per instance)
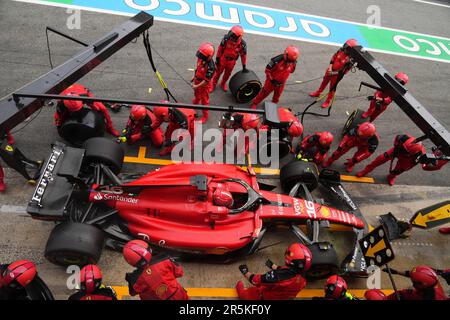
(46, 176)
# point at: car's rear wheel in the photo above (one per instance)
(81, 126)
(104, 151)
(324, 261)
(38, 290)
(73, 243)
(299, 171)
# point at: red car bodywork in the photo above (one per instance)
(171, 212)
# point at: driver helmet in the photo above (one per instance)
(222, 196)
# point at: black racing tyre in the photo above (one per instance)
(324, 261)
(299, 171)
(245, 86)
(81, 126)
(104, 151)
(74, 243)
(354, 120)
(284, 148)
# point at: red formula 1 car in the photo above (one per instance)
(172, 208)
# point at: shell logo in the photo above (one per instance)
(325, 212)
(161, 290)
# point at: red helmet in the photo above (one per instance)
(19, 274)
(137, 253)
(236, 32)
(291, 53)
(413, 147)
(351, 42)
(222, 197)
(326, 138)
(336, 287)
(423, 277)
(250, 121)
(374, 294)
(366, 130)
(298, 255)
(90, 278)
(205, 51)
(402, 78)
(73, 105)
(161, 113)
(296, 129)
(138, 112)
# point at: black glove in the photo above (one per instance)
(269, 264)
(244, 69)
(217, 61)
(128, 277)
(370, 98)
(244, 269)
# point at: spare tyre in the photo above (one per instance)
(299, 171)
(245, 86)
(81, 126)
(354, 120)
(74, 243)
(104, 151)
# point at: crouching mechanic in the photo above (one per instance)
(14, 279)
(336, 289)
(238, 121)
(425, 282)
(364, 137)
(178, 118)
(278, 71)
(10, 139)
(405, 150)
(201, 82)
(315, 147)
(280, 283)
(141, 124)
(91, 287)
(66, 107)
(155, 278)
(231, 47)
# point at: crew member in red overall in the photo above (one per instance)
(142, 123)
(230, 49)
(66, 107)
(364, 137)
(10, 140)
(340, 65)
(407, 152)
(201, 83)
(295, 128)
(336, 289)
(14, 278)
(278, 71)
(155, 278)
(315, 147)
(380, 100)
(236, 121)
(178, 118)
(280, 283)
(425, 282)
(91, 285)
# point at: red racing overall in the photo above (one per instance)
(280, 284)
(227, 55)
(278, 71)
(203, 72)
(157, 281)
(10, 140)
(102, 293)
(378, 104)
(79, 90)
(148, 127)
(312, 149)
(365, 148)
(179, 118)
(436, 293)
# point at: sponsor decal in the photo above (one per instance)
(115, 197)
(47, 177)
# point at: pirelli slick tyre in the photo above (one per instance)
(284, 148)
(81, 126)
(299, 171)
(245, 86)
(104, 151)
(324, 261)
(73, 243)
(354, 120)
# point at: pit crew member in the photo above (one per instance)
(14, 278)
(336, 289)
(91, 286)
(315, 147)
(201, 82)
(155, 278)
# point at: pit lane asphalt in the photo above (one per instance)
(23, 57)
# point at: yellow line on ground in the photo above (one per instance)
(141, 159)
(122, 291)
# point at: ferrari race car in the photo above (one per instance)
(172, 208)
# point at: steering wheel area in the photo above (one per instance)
(253, 197)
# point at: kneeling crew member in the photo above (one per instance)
(91, 285)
